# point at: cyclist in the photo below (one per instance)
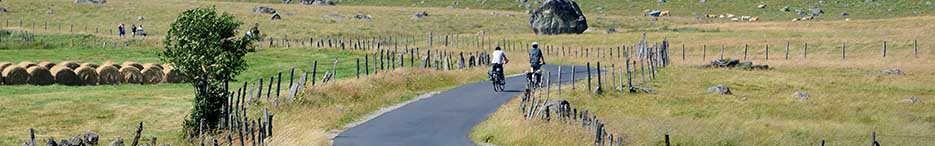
(536, 60)
(497, 60)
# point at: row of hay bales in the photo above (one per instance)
(86, 74)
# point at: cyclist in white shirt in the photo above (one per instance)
(497, 60)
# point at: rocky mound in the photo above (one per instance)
(558, 17)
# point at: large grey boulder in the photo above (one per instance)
(558, 17)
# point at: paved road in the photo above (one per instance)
(444, 119)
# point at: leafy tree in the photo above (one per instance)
(204, 47)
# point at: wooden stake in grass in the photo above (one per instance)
(704, 53)
(573, 72)
(805, 52)
(915, 48)
(722, 53)
(884, 49)
(767, 52)
(787, 50)
(843, 50)
(589, 75)
(745, 51)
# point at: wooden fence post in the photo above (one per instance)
(358, 68)
(722, 53)
(589, 75)
(884, 49)
(314, 72)
(704, 52)
(745, 51)
(767, 52)
(915, 48)
(366, 64)
(805, 52)
(573, 72)
(787, 49)
(843, 50)
(668, 143)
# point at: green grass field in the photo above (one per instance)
(61, 111)
(848, 99)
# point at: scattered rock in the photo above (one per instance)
(117, 142)
(845, 14)
(361, 16)
(318, 2)
(611, 30)
(654, 13)
(763, 6)
(911, 100)
(140, 18)
(816, 11)
(736, 64)
(558, 17)
(420, 15)
(720, 89)
(265, 10)
(3, 10)
(276, 17)
(91, 138)
(598, 90)
(51, 142)
(638, 89)
(892, 72)
(75, 141)
(90, 1)
(801, 95)
(785, 9)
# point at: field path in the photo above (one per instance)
(444, 119)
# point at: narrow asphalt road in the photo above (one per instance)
(444, 119)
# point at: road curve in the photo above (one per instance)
(444, 119)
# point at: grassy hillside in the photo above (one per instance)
(845, 106)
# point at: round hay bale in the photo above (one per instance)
(70, 64)
(171, 75)
(152, 75)
(130, 75)
(26, 64)
(91, 65)
(65, 76)
(39, 75)
(86, 76)
(153, 65)
(46, 64)
(15, 75)
(108, 75)
(109, 63)
(3, 65)
(138, 66)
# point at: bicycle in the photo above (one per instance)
(498, 81)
